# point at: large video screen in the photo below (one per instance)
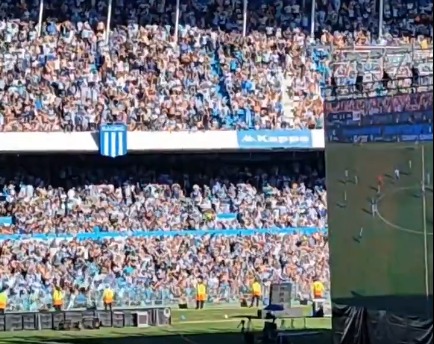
(379, 178)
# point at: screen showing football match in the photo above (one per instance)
(379, 180)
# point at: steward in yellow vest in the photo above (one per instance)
(108, 298)
(3, 301)
(318, 298)
(200, 295)
(58, 299)
(256, 293)
(318, 290)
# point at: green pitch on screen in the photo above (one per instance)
(388, 252)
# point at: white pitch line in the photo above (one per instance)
(391, 224)
(207, 321)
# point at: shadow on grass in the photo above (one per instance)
(389, 176)
(245, 317)
(341, 205)
(366, 211)
(357, 239)
(311, 336)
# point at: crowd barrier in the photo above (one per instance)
(140, 317)
(136, 141)
(222, 295)
(96, 235)
(127, 296)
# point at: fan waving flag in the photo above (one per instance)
(113, 140)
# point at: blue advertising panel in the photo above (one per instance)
(401, 118)
(383, 133)
(113, 140)
(272, 139)
(96, 235)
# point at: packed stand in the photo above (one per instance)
(348, 68)
(72, 78)
(55, 196)
(150, 195)
(143, 271)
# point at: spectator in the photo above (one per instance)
(73, 74)
(147, 270)
(202, 195)
(57, 197)
(212, 78)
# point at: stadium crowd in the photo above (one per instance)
(71, 74)
(143, 271)
(70, 77)
(57, 198)
(142, 197)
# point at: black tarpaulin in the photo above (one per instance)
(357, 325)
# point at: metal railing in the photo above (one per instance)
(223, 295)
(380, 88)
(413, 51)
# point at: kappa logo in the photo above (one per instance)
(278, 139)
(248, 138)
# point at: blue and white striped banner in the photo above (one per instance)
(113, 140)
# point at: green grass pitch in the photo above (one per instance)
(394, 254)
(208, 326)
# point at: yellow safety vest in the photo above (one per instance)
(201, 292)
(318, 290)
(108, 296)
(256, 289)
(3, 300)
(57, 298)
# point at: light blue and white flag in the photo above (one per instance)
(113, 140)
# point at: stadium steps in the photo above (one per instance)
(218, 71)
(289, 102)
